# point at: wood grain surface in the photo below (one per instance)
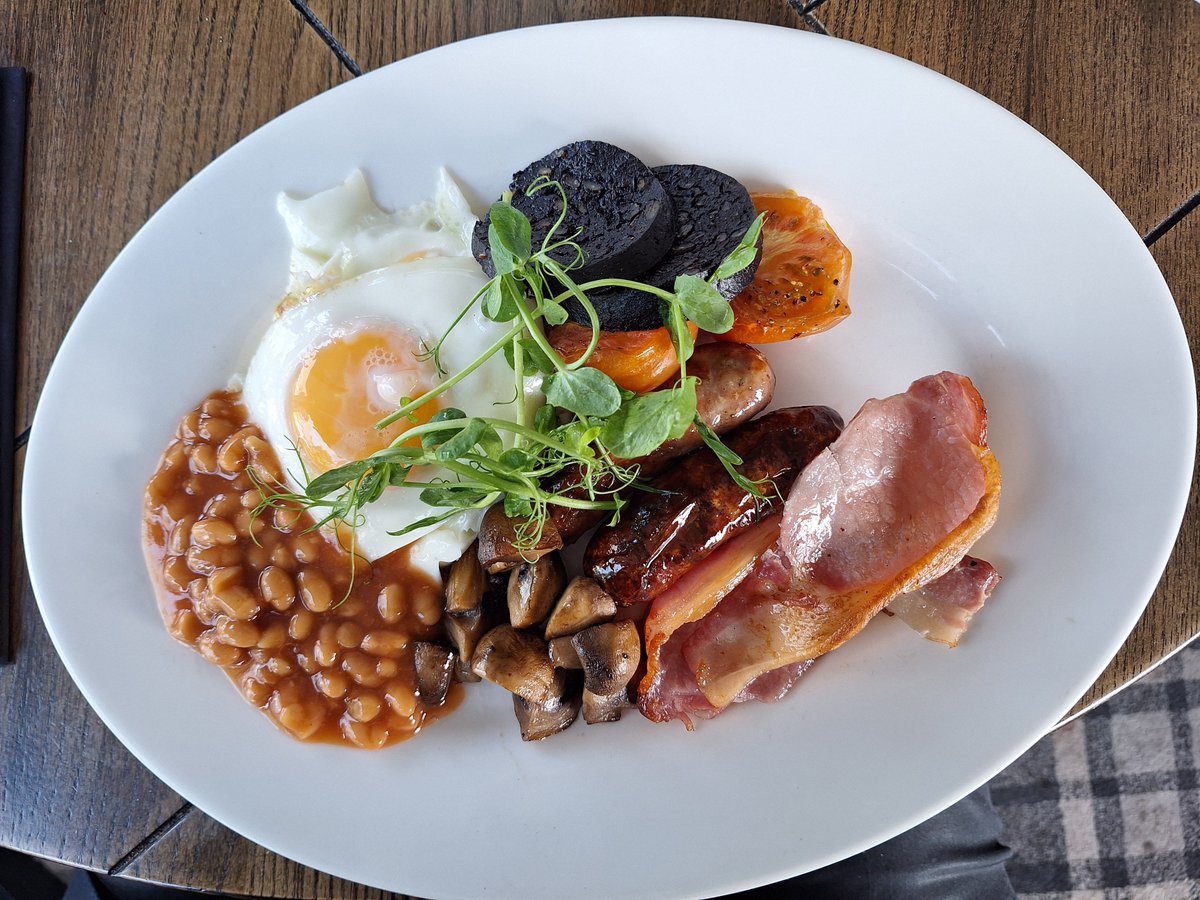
(130, 99)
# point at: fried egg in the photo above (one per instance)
(369, 291)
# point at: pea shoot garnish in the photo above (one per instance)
(587, 422)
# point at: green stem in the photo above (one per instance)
(536, 333)
(562, 277)
(451, 381)
(619, 282)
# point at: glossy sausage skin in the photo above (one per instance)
(736, 383)
(661, 536)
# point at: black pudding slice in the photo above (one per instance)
(712, 213)
(623, 213)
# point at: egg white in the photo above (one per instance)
(345, 276)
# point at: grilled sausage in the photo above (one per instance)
(736, 383)
(661, 536)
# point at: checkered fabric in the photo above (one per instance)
(1108, 806)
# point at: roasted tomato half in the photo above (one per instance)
(638, 361)
(802, 281)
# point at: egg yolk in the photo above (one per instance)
(349, 384)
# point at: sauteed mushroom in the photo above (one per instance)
(520, 663)
(498, 542)
(562, 653)
(435, 666)
(540, 720)
(532, 589)
(466, 582)
(583, 604)
(610, 654)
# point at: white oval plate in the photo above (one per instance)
(978, 247)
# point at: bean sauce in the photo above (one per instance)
(325, 652)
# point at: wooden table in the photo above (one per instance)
(129, 99)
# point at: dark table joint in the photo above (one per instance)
(326, 35)
(1178, 215)
(151, 839)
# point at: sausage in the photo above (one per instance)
(661, 536)
(736, 383)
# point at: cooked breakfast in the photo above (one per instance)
(374, 512)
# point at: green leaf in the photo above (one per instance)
(510, 237)
(516, 460)
(743, 254)
(554, 313)
(534, 357)
(516, 507)
(681, 335)
(449, 414)
(501, 297)
(475, 432)
(584, 391)
(703, 304)
(545, 419)
(336, 479)
(453, 495)
(644, 423)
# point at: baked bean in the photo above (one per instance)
(223, 579)
(385, 643)
(332, 683)
(391, 603)
(247, 524)
(223, 505)
(301, 719)
(257, 692)
(307, 548)
(273, 635)
(282, 556)
(190, 425)
(237, 633)
(349, 635)
(387, 668)
(363, 706)
(175, 456)
(236, 601)
(177, 574)
(213, 533)
(216, 652)
(262, 458)
(285, 519)
(203, 459)
(401, 698)
(370, 736)
(181, 535)
(250, 498)
(305, 660)
(161, 486)
(231, 456)
(177, 505)
(315, 592)
(186, 626)
(428, 604)
(215, 406)
(277, 588)
(279, 667)
(325, 653)
(301, 624)
(361, 668)
(257, 558)
(215, 430)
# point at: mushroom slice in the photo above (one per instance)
(583, 604)
(533, 588)
(435, 668)
(462, 671)
(562, 653)
(610, 654)
(599, 708)
(540, 720)
(465, 629)
(466, 582)
(520, 663)
(498, 541)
